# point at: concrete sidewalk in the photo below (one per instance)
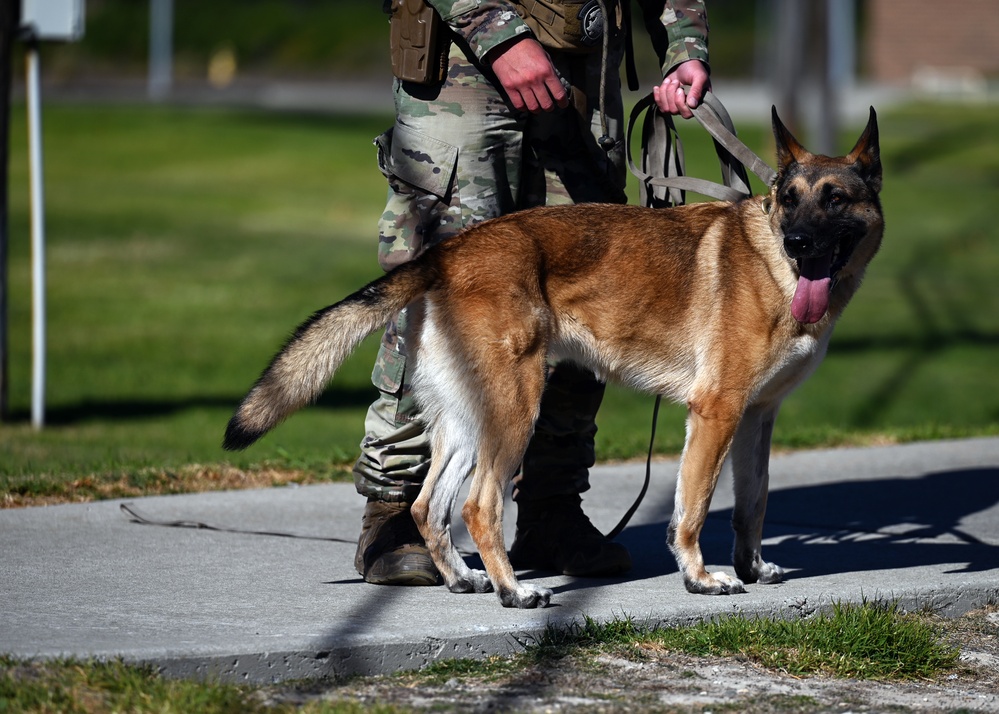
(277, 597)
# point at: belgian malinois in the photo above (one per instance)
(725, 307)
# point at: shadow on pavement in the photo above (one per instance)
(882, 525)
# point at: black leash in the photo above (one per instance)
(136, 517)
(616, 531)
(664, 185)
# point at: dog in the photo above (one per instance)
(723, 306)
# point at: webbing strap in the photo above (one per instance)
(715, 119)
(661, 176)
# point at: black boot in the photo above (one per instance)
(554, 534)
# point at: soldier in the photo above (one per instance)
(510, 124)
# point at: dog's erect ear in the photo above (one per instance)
(789, 150)
(866, 155)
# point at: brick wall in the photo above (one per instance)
(904, 36)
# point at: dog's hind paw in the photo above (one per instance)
(715, 584)
(473, 581)
(525, 596)
(761, 572)
(770, 573)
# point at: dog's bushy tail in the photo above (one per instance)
(300, 372)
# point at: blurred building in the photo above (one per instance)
(929, 42)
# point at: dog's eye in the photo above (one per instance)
(788, 199)
(837, 199)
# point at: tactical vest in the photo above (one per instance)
(419, 39)
(568, 25)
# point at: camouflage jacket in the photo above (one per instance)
(679, 28)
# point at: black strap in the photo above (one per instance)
(136, 517)
(616, 531)
(631, 71)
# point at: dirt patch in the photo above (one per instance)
(628, 679)
(194, 478)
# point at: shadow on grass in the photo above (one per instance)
(918, 349)
(943, 325)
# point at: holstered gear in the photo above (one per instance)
(567, 25)
(418, 41)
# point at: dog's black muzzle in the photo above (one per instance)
(800, 245)
(803, 244)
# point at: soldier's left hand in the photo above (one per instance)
(671, 96)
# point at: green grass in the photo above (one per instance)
(870, 641)
(185, 244)
(94, 687)
(873, 641)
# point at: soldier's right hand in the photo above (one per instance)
(528, 77)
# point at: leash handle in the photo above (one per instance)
(662, 180)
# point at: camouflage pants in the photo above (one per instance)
(459, 154)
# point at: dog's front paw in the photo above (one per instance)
(525, 596)
(715, 584)
(472, 581)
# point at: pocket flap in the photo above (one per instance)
(423, 161)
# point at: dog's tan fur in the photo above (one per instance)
(700, 304)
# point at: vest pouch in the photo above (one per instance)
(566, 25)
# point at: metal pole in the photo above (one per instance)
(824, 128)
(789, 62)
(843, 43)
(37, 239)
(160, 48)
(9, 21)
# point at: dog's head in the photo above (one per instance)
(826, 211)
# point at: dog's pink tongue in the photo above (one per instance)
(811, 297)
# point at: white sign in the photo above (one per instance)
(60, 20)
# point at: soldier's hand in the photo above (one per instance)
(672, 98)
(528, 77)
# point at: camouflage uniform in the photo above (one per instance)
(459, 154)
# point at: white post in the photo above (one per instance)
(843, 43)
(160, 48)
(37, 239)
